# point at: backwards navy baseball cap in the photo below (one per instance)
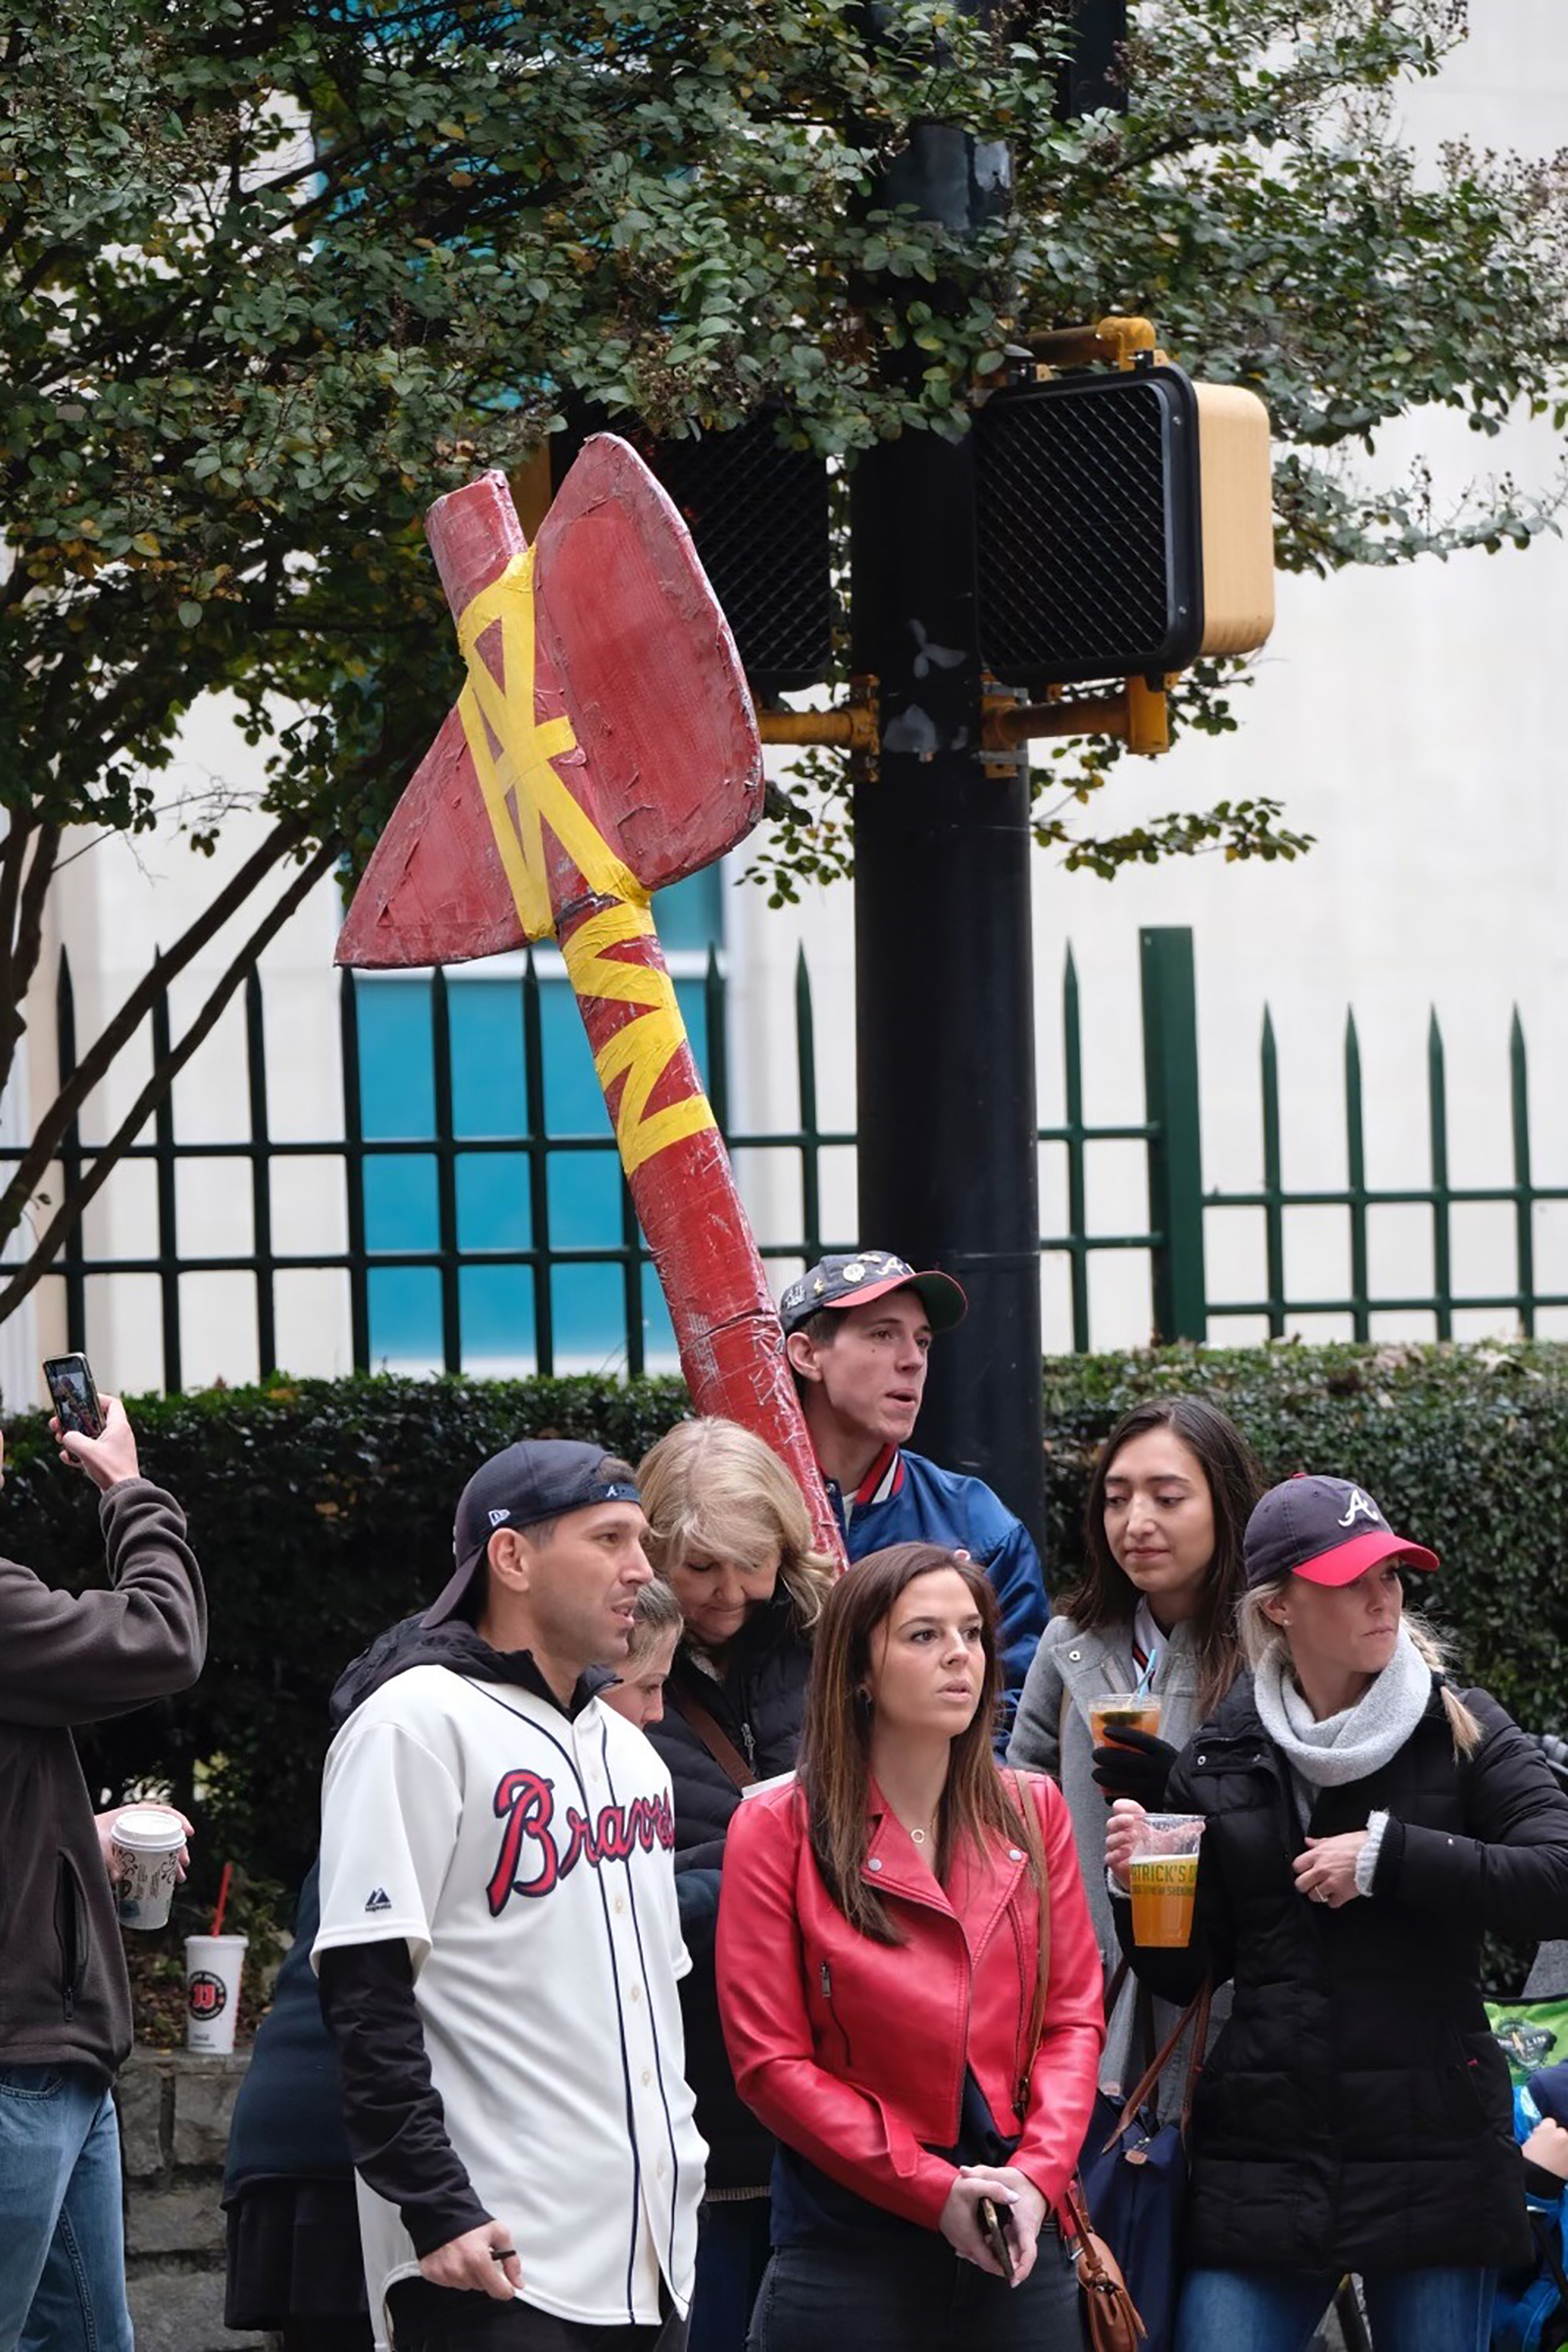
(538, 1478)
(853, 1278)
(1324, 1528)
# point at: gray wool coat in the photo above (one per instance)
(1051, 1734)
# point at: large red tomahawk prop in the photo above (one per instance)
(603, 747)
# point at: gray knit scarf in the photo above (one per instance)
(1354, 1744)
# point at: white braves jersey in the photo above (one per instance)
(526, 1860)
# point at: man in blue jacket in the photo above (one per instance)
(858, 1330)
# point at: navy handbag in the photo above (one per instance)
(1134, 2169)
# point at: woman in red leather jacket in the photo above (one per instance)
(878, 1974)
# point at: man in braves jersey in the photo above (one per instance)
(500, 1944)
(858, 1330)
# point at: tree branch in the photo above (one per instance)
(20, 951)
(38, 1260)
(13, 858)
(286, 834)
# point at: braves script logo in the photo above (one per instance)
(526, 1802)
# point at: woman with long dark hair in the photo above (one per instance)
(1365, 1823)
(909, 1989)
(1155, 1609)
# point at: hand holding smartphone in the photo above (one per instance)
(74, 1396)
(998, 2242)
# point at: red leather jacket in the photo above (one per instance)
(854, 2052)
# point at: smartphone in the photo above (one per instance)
(69, 1382)
(995, 2234)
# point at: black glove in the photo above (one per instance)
(1138, 1766)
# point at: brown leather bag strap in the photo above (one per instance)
(1029, 1818)
(712, 1734)
(1196, 2015)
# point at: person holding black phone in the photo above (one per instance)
(909, 1989)
(69, 1658)
(73, 1395)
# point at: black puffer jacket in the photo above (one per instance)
(1356, 2113)
(761, 1704)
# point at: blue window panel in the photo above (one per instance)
(487, 1086)
(405, 1301)
(494, 1212)
(496, 1307)
(397, 1069)
(399, 1203)
(405, 1305)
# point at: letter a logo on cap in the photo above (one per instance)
(1361, 1506)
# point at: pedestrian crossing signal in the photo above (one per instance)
(1124, 525)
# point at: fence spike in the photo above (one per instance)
(1524, 1207)
(1437, 1104)
(1273, 1179)
(1355, 1181)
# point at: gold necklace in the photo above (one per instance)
(920, 1837)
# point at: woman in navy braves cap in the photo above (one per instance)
(1364, 1825)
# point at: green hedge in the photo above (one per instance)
(321, 1511)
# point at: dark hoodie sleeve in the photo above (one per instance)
(396, 2123)
(82, 1658)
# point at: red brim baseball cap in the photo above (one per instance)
(853, 1278)
(1346, 1562)
(1326, 1529)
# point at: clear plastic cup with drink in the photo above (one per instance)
(1115, 1711)
(1162, 1877)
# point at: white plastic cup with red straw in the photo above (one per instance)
(212, 1964)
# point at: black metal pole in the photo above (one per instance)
(944, 970)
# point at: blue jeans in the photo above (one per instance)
(62, 2239)
(1276, 2311)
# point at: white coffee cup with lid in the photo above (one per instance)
(147, 1840)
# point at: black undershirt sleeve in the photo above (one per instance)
(396, 2123)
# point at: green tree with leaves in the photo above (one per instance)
(275, 274)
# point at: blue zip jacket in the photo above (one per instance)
(903, 1498)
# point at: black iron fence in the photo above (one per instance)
(1171, 1241)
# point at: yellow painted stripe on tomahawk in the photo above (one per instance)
(643, 1049)
(511, 754)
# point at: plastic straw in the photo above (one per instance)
(222, 1898)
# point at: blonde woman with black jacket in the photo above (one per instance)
(1365, 1824)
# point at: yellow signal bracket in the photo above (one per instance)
(853, 727)
(1111, 342)
(1136, 715)
(1147, 718)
